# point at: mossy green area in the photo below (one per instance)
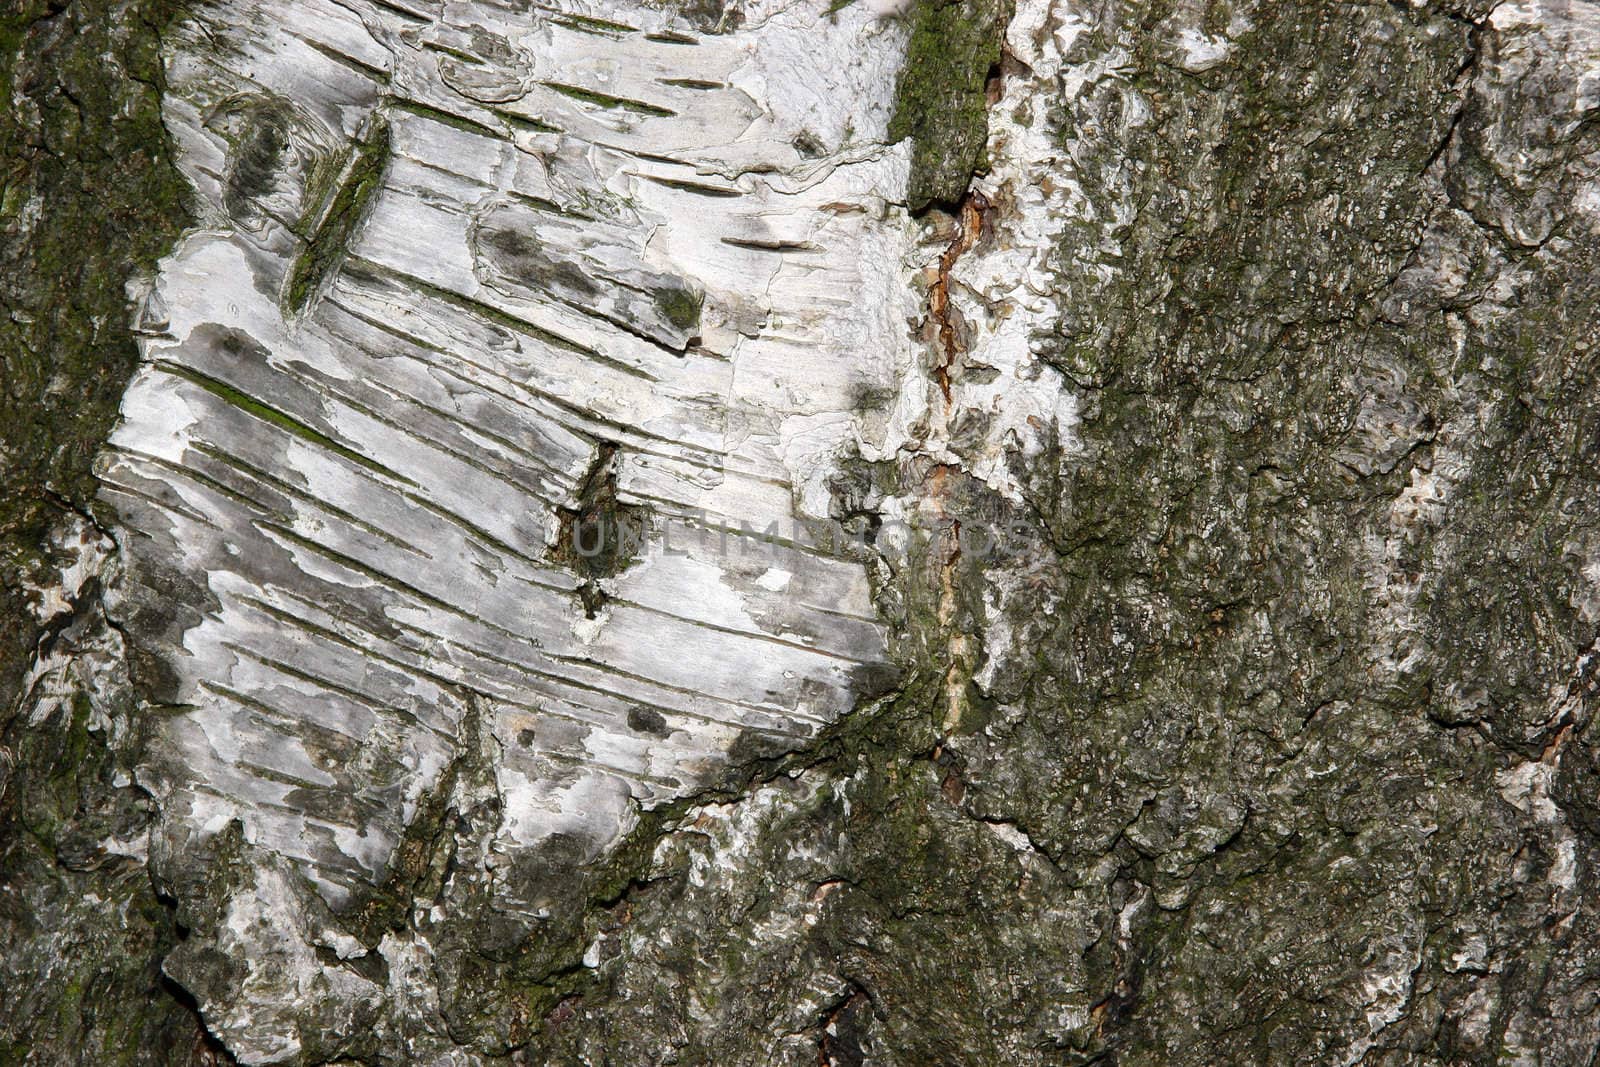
(590, 24)
(681, 307)
(939, 99)
(88, 197)
(601, 536)
(619, 103)
(284, 421)
(331, 235)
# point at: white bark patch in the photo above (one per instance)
(581, 235)
(1002, 290)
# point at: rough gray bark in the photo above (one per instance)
(756, 533)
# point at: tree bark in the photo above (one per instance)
(731, 532)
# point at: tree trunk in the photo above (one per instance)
(752, 532)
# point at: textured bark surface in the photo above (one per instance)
(790, 533)
(88, 197)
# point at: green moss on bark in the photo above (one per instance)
(88, 197)
(330, 237)
(939, 100)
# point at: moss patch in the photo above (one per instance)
(939, 100)
(88, 195)
(589, 96)
(267, 413)
(600, 537)
(681, 307)
(330, 238)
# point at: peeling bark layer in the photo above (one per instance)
(1052, 533)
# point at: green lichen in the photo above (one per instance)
(447, 118)
(939, 99)
(601, 536)
(605, 100)
(331, 237)
(680, 307)
(1198, 807)
(284, 421)
(525, 122)
(89, 197)
(590, 24)
(1224, 741)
